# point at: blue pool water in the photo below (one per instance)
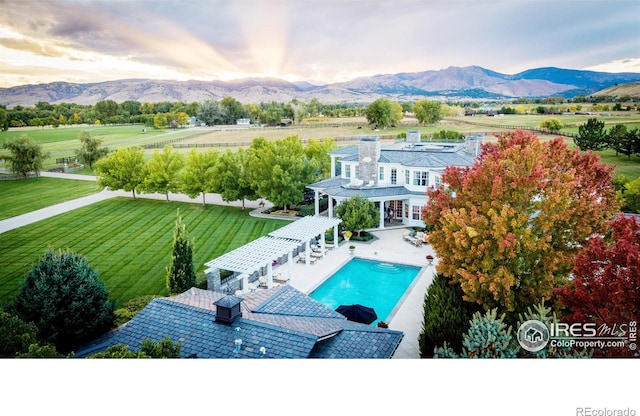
(370, 283)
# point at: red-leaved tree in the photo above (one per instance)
(508, 228)
(606, 283)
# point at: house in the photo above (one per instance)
(272, 323)
(394, 177)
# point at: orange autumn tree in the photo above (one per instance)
(508, 227)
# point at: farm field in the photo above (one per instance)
(129, 242)
(19, 196)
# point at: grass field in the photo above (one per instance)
(128, 242)
(63, 141)
(21, 196)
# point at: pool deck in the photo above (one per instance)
(388, 247)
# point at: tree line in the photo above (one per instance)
(276, 170)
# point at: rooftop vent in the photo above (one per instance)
(228, 309)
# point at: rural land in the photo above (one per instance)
(129, 240)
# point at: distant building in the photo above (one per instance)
(243, 122)
(394, 177)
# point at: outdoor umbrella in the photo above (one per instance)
(358, 313)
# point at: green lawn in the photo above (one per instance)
(129, 242)
(22, 196)
(63, 141)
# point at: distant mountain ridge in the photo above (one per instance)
(454, 83)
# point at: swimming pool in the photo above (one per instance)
(376, 284)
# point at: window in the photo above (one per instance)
(394, 175)
(357, 171)
(381, 175)
(420, 178)
(416, 212)
(406, 177)
(347, 171)
(436, 183)
(406, 210)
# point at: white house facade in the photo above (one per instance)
(395, 177)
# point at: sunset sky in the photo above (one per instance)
(320, 41)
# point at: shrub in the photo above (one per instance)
(66, 301)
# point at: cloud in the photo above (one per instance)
(326, 40)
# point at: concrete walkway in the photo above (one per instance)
(53, 210)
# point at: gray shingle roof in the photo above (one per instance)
(287, 323)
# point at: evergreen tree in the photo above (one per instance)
(488, 337)
(180, 273)
(66, 301)
(592, 136)
(446, 316)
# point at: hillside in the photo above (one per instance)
(453, 83)
(632, 89)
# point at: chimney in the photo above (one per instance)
(228, 309)
(413, 136)
(368, 155)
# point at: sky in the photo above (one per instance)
(320, 41)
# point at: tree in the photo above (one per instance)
(317, 151)
(90, 151)
(180, 274)
(25, 155)
(163, 171)
(591, 136)
(106, 108)
(624, 141)
(164, 348)
(357, 213)
(211, 113)
(552, 124)
(605, 288)
(279, 171)
(631, 196)
(488, 337)
(508, 228)
(160, 121)
(233, 110)
(383, 113)
(123, 169)
(446, 316)
(15, 335)
(4, 119)
(232, 177)
(427, 111)
(63, 296)
(199, 174)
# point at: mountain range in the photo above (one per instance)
(453, 83)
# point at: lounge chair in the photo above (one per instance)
(302, 259)
(281, 279)
(263, 281)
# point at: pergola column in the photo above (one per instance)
(330, 207)
(316, 201)
(269, 275)
(245, 282)
(307, 253)
(290, 266)
(335, 236)
(381, 214)
(322, 243)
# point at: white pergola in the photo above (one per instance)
(253, 256)
(308, 228)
